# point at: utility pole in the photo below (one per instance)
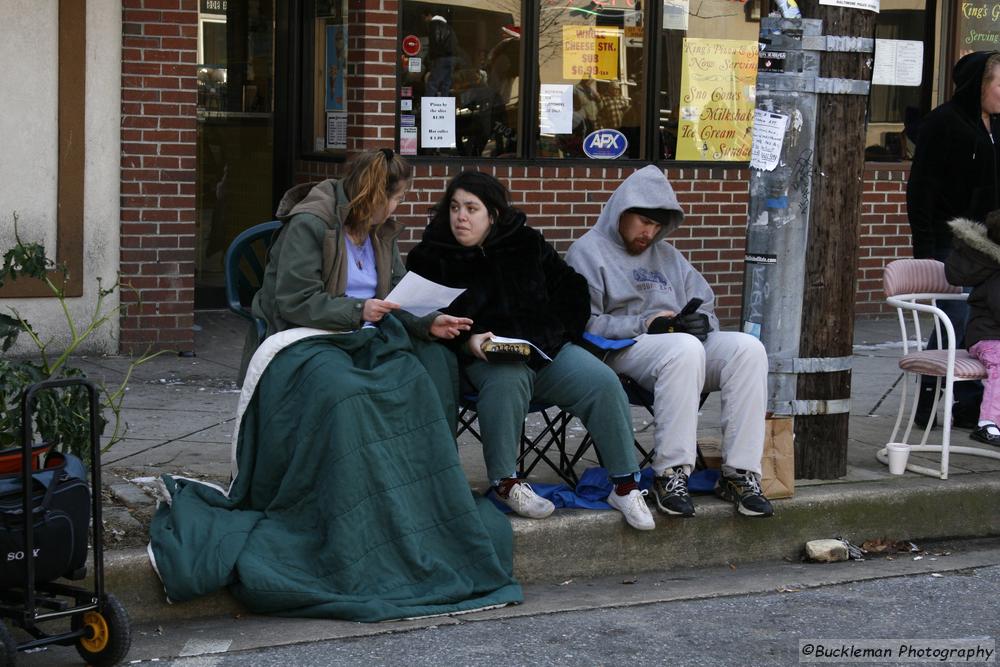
(802, 233)
(832, 252)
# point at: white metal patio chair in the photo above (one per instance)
(914, 287)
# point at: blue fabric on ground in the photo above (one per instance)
(594, 486)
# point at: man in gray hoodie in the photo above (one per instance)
(639, 286)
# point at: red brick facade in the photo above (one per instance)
(159, 106)
(565, 201)
(159, 97)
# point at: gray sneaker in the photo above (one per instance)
(671, 493)
(524, 501)
(744, 490)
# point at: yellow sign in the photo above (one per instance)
(590, 52)
(718, 79)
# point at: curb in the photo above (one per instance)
(580, 544)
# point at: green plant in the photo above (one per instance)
(61, 416)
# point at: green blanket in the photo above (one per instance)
(349, 502)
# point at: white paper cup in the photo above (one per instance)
(898, 453)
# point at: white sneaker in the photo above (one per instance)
(524, 501)
(633, 506)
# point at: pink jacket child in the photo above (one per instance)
(975, 262)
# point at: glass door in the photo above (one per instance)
(235, 159)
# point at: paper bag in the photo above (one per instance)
(777, 464)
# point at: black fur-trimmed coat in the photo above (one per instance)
(975, 262)
(516, 284)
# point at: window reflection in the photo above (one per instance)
(592, 54)
(467, 57)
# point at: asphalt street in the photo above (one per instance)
(753, 614)
(756, 629)
(740, 630)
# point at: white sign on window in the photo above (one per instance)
(336, 129)
(437, 122)
(869, 5)
(556, 109)
(898, 62)
(675, 14)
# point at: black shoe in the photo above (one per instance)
(671, 493)
(921, 420)
(982, 434)
(744, 490)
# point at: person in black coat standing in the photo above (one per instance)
(956, 174)
(517, 286)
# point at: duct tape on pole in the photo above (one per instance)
(780, 185)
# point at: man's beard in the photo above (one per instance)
(636, 248)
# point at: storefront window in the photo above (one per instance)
(591, 74)
(325, 103)
(235, 132)
(902, 80)
(708, 69)
(459, 78)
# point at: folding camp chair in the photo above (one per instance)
(548, 446)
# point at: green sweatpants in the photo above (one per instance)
(577, 382)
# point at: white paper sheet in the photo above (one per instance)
(869, 5)
(555, 108)
(768, 136)
(419, 296)
(501, 339)
(437, 122)
(898, 62)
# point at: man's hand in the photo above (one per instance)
(375, 309)
(476, 344)
(663, 314)
(695, 324)
(448, 326)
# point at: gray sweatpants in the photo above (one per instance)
(677, 368)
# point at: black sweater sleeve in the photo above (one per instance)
(567, 290)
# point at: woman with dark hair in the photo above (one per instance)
(517, 286)
(348, 499)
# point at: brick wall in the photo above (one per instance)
(885, 233)
(565, 201)
(371, 84)
(159, 98)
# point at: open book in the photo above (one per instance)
(511, 349)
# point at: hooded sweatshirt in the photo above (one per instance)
(626, 290)
(955, 168)
(306, 275)
(975, 262)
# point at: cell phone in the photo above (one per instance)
(690, 307)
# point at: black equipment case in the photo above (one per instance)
(48, 512)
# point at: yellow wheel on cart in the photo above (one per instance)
(107, 633)
(96, 639)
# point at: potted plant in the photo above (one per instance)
(61, 418)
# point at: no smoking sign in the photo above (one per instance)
(411, 45)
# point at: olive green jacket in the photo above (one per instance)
(306, 273)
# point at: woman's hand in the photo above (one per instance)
(375, 309)
(476, 344)
(448, 326)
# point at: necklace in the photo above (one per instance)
(358, 252)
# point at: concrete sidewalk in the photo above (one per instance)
(180, 413)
